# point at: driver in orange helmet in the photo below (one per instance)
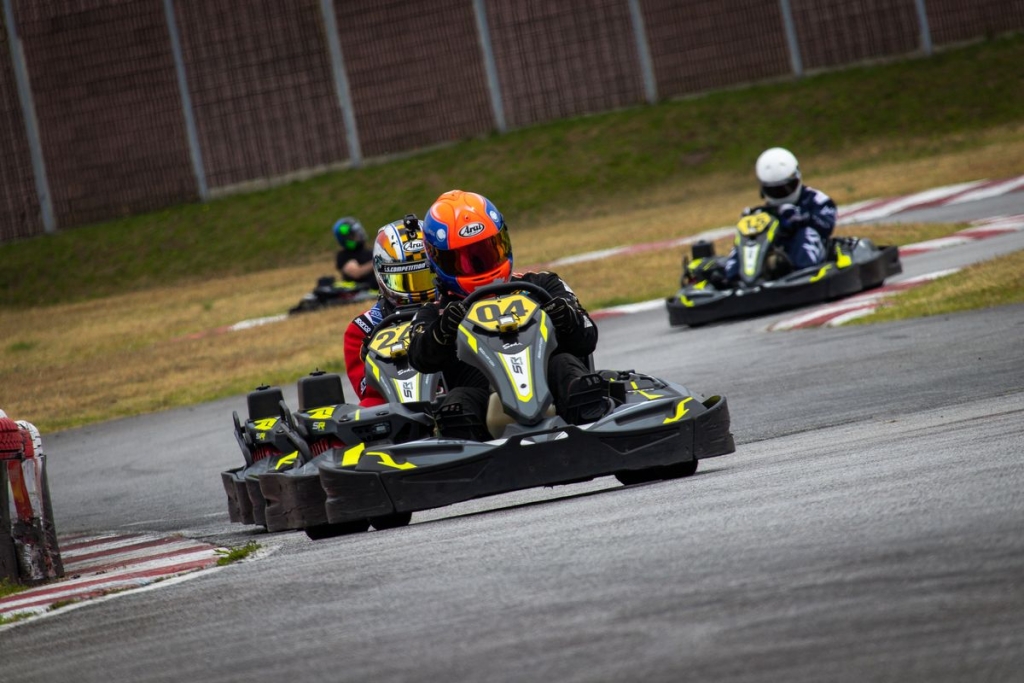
(468, 246)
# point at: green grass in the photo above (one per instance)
(997, 282)
(588, 166)
(12, 618)
(228, 556)
(8, 587)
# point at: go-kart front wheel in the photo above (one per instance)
(322, 531)
(393, 521)
(678, 471)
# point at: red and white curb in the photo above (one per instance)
(857, 306)
(835, 314)
(874, 209)
(99, 565)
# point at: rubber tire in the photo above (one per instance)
(323, 531)
(683, 469)
(393, 521)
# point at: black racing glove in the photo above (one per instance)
(448, 325)
(364, 348)
(563, 314)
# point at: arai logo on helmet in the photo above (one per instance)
(413, 246)
(471, 229)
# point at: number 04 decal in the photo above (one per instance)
(486, 314)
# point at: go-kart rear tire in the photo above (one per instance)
(393, 521)
(322, 531)
(678, 471)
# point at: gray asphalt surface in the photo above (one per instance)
(868, 528)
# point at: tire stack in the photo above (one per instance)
(28, 538)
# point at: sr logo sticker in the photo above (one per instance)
(471, 229)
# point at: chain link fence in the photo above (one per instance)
(115, 107)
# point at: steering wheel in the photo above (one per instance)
(541, 295)
(401, 315)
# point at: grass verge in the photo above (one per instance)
(997, 282)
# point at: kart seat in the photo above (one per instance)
(497, 419)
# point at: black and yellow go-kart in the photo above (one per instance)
(655, 429)
(767, 282)
(279, 486)
(333, 292)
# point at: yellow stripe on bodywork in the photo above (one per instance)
(685, 300)
(842, 260)
(821, 273)
(265, 425)
(388, 461)
(287, 460)
(350, 458)
(681, 410)
(649, 397)
(469, 338)
(374, 367)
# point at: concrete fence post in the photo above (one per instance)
(926, 32)
(643, 51)
(28, 113)
(341, 87)
(795, 60)
(191, 131)
(490, 65)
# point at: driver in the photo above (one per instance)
(403, 275)
(468, 246)
(353, 261)
(806, 216)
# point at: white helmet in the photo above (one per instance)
(779, 174)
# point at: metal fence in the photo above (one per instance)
(114, 107)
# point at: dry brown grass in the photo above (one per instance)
(69, 365)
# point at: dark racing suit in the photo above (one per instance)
(463, 411)
(356, 334)
(805, 228)
(362, 255)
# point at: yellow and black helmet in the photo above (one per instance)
(400, 263)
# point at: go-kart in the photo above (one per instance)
(279, 486)
(331, 292)
(767, 281)
(654, 429)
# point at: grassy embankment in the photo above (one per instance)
(96, 319)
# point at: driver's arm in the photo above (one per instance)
(354, 270)
(355, 367)
(579, 336)
(428, 351)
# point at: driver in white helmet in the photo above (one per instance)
(806, 216)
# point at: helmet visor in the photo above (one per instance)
(406, 278)
(780, 191)
(473, 259)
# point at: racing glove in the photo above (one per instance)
(563, 314)
(791, 218)
(448, 324)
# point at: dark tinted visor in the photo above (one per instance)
(473, 259)
(780, 191)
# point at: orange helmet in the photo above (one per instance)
(467, 242)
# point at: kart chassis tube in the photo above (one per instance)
(354, 494)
